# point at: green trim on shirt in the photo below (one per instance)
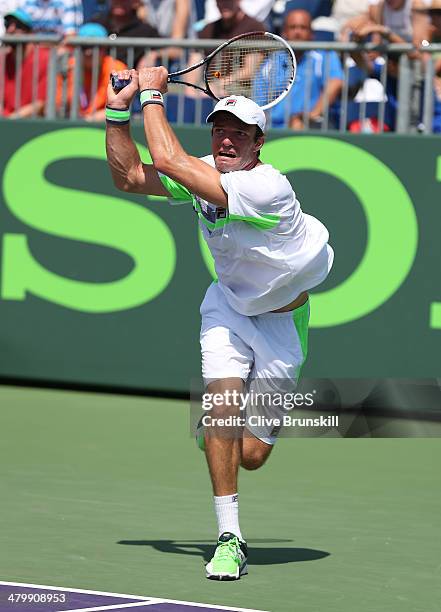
(264, 223)
(182, 194)
(176, 190)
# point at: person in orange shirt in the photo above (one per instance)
(93, 91)
(25, 69)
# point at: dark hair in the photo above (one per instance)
(258, 135)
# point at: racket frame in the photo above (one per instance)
(118, 85)
(206, 61)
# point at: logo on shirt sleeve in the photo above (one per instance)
(210, 212)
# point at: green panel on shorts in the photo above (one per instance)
(301, 319)
(176, 190)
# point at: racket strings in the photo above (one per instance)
(256, 66)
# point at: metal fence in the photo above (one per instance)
(419, 106)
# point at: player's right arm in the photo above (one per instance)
(128, 172)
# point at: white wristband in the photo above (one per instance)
(151, 96)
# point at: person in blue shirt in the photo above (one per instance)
(373, 66)
(318, 82)
(62, 17)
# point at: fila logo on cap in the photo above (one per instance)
(230, 102)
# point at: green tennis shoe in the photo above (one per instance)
(229, 561)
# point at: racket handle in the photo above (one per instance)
(118, 84)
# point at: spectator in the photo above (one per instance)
(435, 33)
(372, 65)
(62, 17)
(402, 18)
(31, 73)
(258, 9)
(6, 6)
(311, 90)
(233, 21)
(92, 98)
(122, 20)
(172, 19)
(432, 8)
(344, 12)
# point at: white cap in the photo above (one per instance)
(243, 108)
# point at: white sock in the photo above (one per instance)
(227, 514)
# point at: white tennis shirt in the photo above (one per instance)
(266, 250)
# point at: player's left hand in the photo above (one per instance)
(153, 78)
(123, 98)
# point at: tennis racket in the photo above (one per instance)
(258, 65)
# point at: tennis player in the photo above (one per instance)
(267, 253)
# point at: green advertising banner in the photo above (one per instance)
(100, 287)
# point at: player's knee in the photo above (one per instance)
(254, 453)
(253, 460)
(250, 465)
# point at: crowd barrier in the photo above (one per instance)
(417, 99)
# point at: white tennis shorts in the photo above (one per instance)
(264, 350)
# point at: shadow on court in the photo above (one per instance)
(257, 555)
